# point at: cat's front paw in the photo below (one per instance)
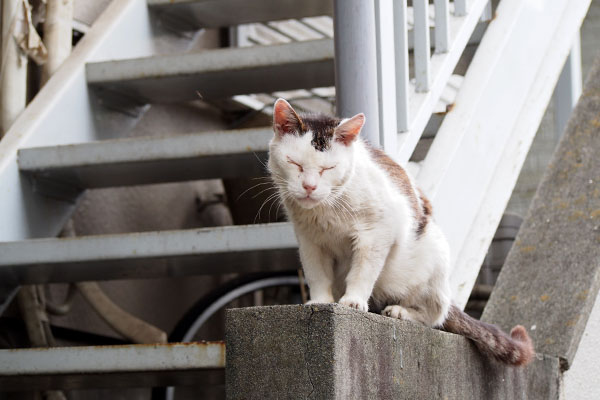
(354, 302)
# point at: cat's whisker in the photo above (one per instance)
(260, 161)
(271, 197)
(273, 203)
(262, 191)
(252, 187)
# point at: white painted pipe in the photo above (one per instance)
(57, 35)
(356, 63)
(13, 70)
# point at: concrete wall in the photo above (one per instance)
(581, 380)
(328, 351)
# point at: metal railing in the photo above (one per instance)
(373, 73)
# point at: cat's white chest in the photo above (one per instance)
(332, 232)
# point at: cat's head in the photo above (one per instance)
(311, 156)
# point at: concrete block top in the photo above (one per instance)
(329, 351)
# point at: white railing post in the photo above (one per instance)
(442, 28)
(386, 75)
(421, 45)
(356, 81)
(568, 89)
(461, 7)
(401, 55)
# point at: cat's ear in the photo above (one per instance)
(285, 119)
(349, 129)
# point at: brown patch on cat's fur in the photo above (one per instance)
(400, 178)
(322, 128)
(427, 211)
(516, 349)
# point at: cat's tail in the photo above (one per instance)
(516, 349)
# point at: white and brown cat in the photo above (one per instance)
(365, 231)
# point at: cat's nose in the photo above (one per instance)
(309, 188)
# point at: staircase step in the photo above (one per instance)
(247, 248)
(108, 366)
(217, 13)
(145, 160)
(217, 74)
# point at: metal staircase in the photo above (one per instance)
(56, 149)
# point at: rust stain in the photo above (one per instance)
(595, 213)
(583, 294)
(450, 107)
(563, 204)
(527, 249)
(513, 298)
(549, 341)
(572, 322)
(544, 297)
(576, 215)
(581, 199)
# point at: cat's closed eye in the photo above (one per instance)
(323, 169)
(296, 164)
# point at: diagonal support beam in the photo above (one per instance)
(474, 162)
(551, 277)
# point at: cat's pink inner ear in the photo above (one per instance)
(285, 119)
(349, 130)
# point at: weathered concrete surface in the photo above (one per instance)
(329, 351)
(551, 277)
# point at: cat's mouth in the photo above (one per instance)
(307, 201)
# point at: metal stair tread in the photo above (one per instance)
(99, 366)
(217, 74)
(218, 13)
(197, 251)
(145, 160)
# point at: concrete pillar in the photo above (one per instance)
(330, 351)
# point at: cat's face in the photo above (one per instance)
(311, 157)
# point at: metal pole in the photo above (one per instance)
(57, 35)
(356, 63)
(13, 70)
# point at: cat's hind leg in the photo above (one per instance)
(408, 314)
(428, 307)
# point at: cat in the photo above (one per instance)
(365, 231)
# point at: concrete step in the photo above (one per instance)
(217, 250)
(217, 74)
(145, 160)
(108, 366)
(194, 14)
